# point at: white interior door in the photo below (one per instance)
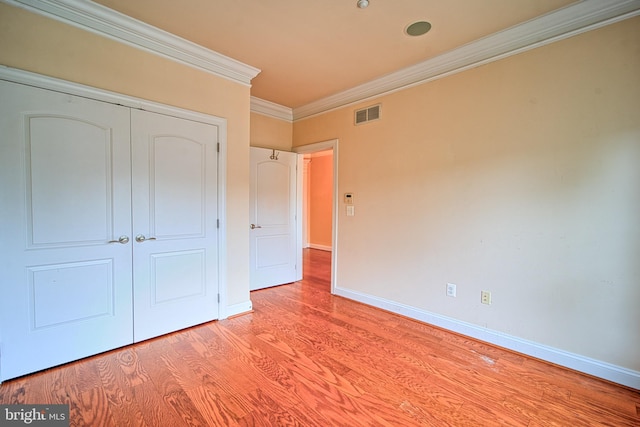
(174, 223)
(65, 279)
(272, 196)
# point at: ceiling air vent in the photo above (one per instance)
(367, 114)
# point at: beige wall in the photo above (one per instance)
(521, 177)
(45, 46)
(320, 200)
(269, 132)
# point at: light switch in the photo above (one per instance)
(351, 210)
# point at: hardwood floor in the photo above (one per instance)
(305, 357)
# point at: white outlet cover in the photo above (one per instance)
(485, 297)
(451, 290)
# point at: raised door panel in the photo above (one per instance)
(73, 157)
(65, 184)
(177, 186)
(175, 215)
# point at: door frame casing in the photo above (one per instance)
(50, 83)
(331, 144)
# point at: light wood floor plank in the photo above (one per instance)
(304, 357)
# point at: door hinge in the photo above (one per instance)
(217, 223)
(218, 298)
(218, 147)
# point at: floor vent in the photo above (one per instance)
(367, 114)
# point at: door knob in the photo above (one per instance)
(123, 240)
(255, 226)
(140, 238)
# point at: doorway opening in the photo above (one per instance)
(317, 200)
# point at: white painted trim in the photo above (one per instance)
(106, 22)
(299, 217)
(77, 89)
(57, 85)
(240, 308)
(572, 20)
(271, 109)
(222, 227)
(320, 247)
(331, 144)
(607, 371)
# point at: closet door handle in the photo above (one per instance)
(122, 240)
(255, 226)
(140, 238)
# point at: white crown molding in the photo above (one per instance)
(63, 86)
(580, 17)
(101, 20)
(271, 109)
(566, 22)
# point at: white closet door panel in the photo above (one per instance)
(68, 167)
(175, 210)
(65, 192)
(178, 187)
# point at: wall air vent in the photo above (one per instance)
(367, 114)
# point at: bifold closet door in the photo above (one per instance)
(65, 228)
(174, 164)
(107, 229)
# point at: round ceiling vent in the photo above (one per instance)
(418, 28)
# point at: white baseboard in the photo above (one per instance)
(235, 309)
(320, 247)
(607, 371)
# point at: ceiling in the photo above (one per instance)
(308, 50)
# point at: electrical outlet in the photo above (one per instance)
(485, 297)
(451, 290)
